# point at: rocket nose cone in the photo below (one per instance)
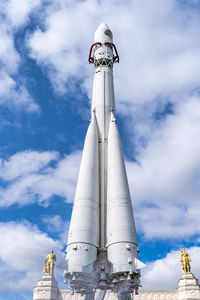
(103, 34)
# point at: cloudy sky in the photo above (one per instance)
(45, 96)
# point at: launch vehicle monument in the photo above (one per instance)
(102, 248)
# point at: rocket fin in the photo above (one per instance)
(83, 234)
(121, 232)
(139, 264)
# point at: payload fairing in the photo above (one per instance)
(102, 248)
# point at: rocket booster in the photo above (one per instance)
(102, 248)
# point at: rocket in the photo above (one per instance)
(102, 248)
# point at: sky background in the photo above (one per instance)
(45, 96)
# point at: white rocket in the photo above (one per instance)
(102, 248)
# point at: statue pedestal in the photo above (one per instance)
(46, 289)
(189, 288)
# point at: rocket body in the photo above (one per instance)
(102, 245)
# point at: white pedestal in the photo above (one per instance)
(189, 288)
(46, 289)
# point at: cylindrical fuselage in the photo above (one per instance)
(103, 104)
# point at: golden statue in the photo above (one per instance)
(49, 264)
(185, 262)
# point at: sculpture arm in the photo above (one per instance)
(47, 258)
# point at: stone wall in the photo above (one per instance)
(157, 295)
(143, 295)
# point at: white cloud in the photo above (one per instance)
(28, 177)
(165, 182)
(24, 163)
(61, 46)
(165, 273)
(13, 91)
(22, 253)
(18, 14)
(13, 95)
(9, 57)
(55, 224)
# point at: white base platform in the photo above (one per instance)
(188, 289)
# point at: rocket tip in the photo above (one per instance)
(103, 34)
(103, 25)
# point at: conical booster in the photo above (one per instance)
(83, 237)
(121, 232)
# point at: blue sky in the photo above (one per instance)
(45, 94)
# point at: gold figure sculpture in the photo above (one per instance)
(49, 263)
(185, 262)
